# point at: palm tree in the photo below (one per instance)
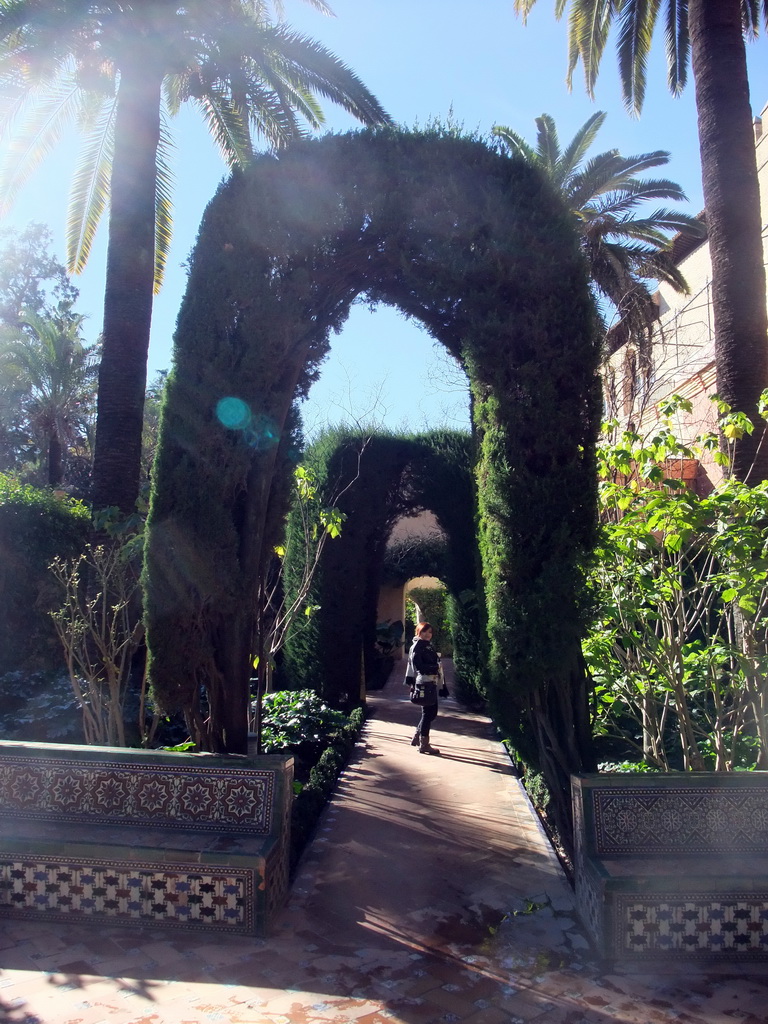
(624, 251)
(712, 35)
(119, 70)
(52, 377)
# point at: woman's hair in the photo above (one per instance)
(422, 627)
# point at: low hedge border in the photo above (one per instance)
(309, 802)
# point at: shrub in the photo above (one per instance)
(537, 790)
(312, 797)
(432, 603)
(294, 717)
(35, 527)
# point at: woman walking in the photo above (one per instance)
(423, 673)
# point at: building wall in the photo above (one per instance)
(683, 355)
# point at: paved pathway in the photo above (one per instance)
(429, 896)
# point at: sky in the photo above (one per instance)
(476, 64)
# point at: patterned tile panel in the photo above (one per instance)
(637, 821)
(172, 796)
(128, 893)
(589, 903)
(694, 924)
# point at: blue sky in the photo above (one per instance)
(423, 59)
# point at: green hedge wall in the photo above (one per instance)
(482, 251)
(35, 527)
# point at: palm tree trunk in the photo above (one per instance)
(732, 201)
(129, 290)
(54, 458)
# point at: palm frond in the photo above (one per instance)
(636, 24)
(661, 222)
(163, 202)
(677, 44)
(90, 186)
(45, 119)
(319, 5)
(644, 161)
(523, 8)
(515, 143)
(598, 175)
(227, 127)
(610, 172)
(750, 18)
(631, 194)
(307, 65)
(176, 91)
(577, 148)
(547, 144)
(288, 94)
(627, 200)
(272, 117)
(589, 23)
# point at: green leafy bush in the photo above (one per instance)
(433, 603)
(625, 767)
(537, 790)
(35, 527)
(678, 644)
(313, 796)
(291, 718)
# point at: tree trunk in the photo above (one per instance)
(732, 201)
(54, 458)
(129, 290)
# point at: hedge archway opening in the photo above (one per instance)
(395, 476)
(478, 248)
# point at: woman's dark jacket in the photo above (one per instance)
(423, 661)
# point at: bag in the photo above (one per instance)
(417, 693)
(444, 691)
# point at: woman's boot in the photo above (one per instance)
(415, 740)
(424, 747)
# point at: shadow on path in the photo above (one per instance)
(429, 894)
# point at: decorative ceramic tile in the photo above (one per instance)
(171, 796)
(589, 904)
(695, 923)
(680, 820)
(140, 894)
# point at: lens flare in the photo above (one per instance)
(262, 433)
(233, 413)
(259, 431)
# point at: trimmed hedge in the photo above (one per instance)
(399, 475)
(35, 527)
(314, 795)
(480, 249)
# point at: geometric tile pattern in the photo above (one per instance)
(276, 871)
(673, 867)
(128, 893)
(589, 902)
(698, 923)
(680, 820)
(170, 796)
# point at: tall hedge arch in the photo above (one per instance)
(394, 476)
(477, 247)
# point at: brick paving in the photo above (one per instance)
(428, 896)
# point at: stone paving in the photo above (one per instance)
(429, 894)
